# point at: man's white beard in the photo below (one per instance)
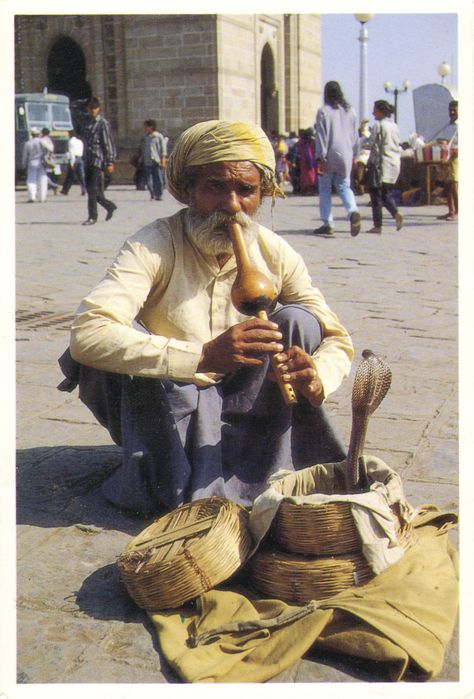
(210, 234)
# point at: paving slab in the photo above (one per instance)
(396, 293)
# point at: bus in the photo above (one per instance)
(40, 110)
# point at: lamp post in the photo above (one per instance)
(444, 69)
(396, 91)
(363, 38)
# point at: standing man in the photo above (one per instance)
(451, 137)
(176, 373)
(32, 162)
(75, 167)
(99, 159)
(336, 143)
(153, 152)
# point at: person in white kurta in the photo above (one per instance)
(383, 165)
(32, 161)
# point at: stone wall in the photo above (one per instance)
(179, 69)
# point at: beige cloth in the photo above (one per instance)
(402, 619)
(183, 298)
(371, 510)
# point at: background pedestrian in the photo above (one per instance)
(336, 144)
(383, 167)
(99, 157)
(75, 167)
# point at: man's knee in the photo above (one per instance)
(298, 327)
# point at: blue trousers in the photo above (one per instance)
(343, 188)
(153, 180)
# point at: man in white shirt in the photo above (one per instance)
(33, 162)
(75, 167)
(175, 372)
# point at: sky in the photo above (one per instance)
(400, 47)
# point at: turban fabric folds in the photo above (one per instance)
(220, 141)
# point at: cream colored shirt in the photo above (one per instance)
(183, 298)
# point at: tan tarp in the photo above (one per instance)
(403, 618)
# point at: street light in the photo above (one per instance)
(363, 38)
(396, 91)
(444, 69)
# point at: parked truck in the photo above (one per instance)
(40, 110)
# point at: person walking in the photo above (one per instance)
(335, 145)
(75, 167)
(153, 154)
(383, 167)
(32, 162)
(99, 157)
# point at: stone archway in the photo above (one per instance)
(268, 91)
(67, 76)
(67, 70)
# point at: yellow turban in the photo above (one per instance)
(216, 142)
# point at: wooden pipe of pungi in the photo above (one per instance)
(252, 294)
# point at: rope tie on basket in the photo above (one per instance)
(207, 584)
(207, 637)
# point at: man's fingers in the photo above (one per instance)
(256, 348)
(252, 336)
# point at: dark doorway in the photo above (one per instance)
(67, 70)
(268, 92)
(67, 76)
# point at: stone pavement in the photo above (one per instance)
(397, 295)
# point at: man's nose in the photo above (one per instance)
(231, 203)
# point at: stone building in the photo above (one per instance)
(177, 69)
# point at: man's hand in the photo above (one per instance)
(110, 168)
(298, 369)
(245, 344)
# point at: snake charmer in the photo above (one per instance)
(178, 375)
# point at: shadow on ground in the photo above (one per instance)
(60, 487)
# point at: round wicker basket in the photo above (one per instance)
(299, 579)
(185, 553)
(316, 530)
(324, 529)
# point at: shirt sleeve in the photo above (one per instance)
(110, 154)
(103, 333)
(332, 360)
(321, 137)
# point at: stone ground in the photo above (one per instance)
(397, 295)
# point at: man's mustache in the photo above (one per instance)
(222, 220)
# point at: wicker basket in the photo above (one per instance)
(299, 579)
(325, 529)
(185, 553)
(316, 530)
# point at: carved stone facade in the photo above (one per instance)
(177, 69)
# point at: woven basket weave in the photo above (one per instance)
(316, 530)
(185, 553)
(325, 529)
(299, 579)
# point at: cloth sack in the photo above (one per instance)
(402, 619)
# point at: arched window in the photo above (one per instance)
(268, 91)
